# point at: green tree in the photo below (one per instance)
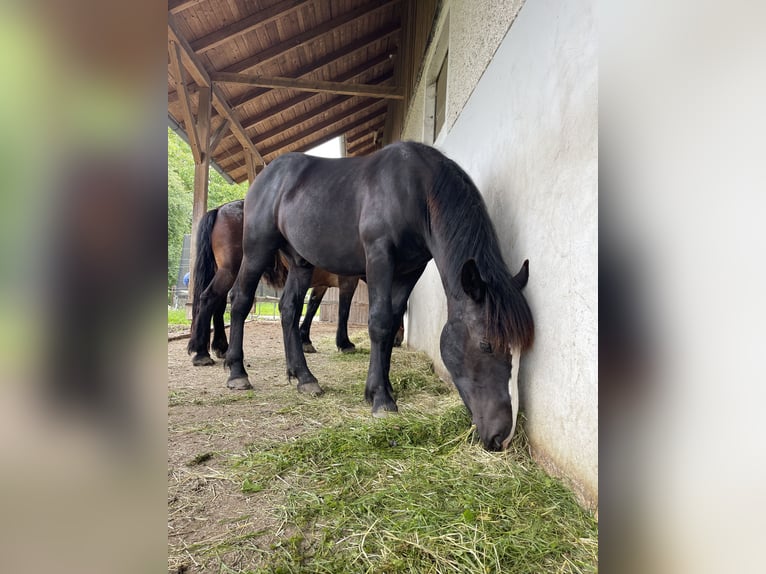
(179, 221)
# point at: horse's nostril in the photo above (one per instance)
(496, 443)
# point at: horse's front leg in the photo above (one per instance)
(290, 306)
(378, 390)
(242, 301)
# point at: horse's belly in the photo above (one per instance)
(328, 251)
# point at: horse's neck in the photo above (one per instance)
(450, 279)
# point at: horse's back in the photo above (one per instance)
(329, 209)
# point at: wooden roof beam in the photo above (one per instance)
(309, 115)
(310, 35)
(189, 120)
(375, 114)
(217, 135)
(200, 75)
(385, 92)
(292, 102)
(331, 58)
(245, 25)
(176, 6)
(369, 147)
(236, 159)
(355, 135)
(363, 143)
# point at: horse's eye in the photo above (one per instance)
(485, 347)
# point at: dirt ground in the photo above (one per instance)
(212, 525)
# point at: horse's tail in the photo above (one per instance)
(276, 276)
(204, 266)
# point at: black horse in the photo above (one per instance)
(386, 215)
(219, 254)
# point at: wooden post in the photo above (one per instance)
(201, 179)
(250, 163)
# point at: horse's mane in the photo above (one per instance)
(459, 218)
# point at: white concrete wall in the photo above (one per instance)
(528, 136)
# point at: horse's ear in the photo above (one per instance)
(522, 276)
(473, 284)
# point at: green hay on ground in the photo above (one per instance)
(415, 493)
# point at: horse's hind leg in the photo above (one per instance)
(210, 301)
(317, 293)
(347, 286)
(290, 306)
(220, 344)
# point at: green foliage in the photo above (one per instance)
(178, 317)
(181, 194)
(179, 221)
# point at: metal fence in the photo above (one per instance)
(266, 305)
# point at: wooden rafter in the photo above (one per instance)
(363, 106)
(304, 117)
(284, 146)
(311, 114)
(176, 6)
(299, 99)
(245, 25)
(353, 135)
(310, 35)
(362, 143)
(201, 76)
(385, 92)
(250, 165)
(217, 136)
(189, 121)
(327, 60)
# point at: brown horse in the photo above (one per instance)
(219, 253)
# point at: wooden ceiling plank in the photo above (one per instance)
(365, 105)
(361, 144)
(245, 25)
(329, 59)
(312, 113)
(176, 6)
(377, 115)
(201, 76)
(307, 36)
(340, 131)
(189, 120)
(385, 92)
(307, 116)
(292, 102)
(355, 135)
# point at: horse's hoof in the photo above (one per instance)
(239, 384)
(385, 411)
(351, 349)
(220, 354)
(309, 348)
(202, 361)
(312, 389)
